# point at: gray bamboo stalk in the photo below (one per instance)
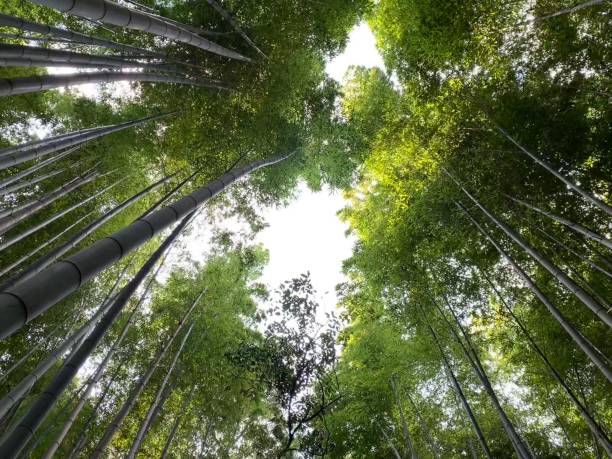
(570, 250)
(571, 10)
(61, 142)
(583, 344)
(56, 253)
(586, 195)
(51, 56)
(26, 85)
(425, 427)
(398, 402)
(57, 215)
(28, 299)
(111, 13)
(44, 244)
(127, 406)
(39, 142)
(457, 386)
(177, 423)
(472, 357)
(564, 221)
(30, 170)
(146, 422)
(235, 26)
(14, 441)
(594, 427)
(25, 62)
(13, 220)
(74, 37)
(34, 181)
(563, 278)
(26, 383)
(95, 378)
(390, 443)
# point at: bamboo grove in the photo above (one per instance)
(474, 320)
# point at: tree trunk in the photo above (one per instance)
(564, 221)
(54, 217)
(26, 85)
(390, 443)
(595, 429)
(177, 423)
(587, 196)
(585, 345)
(13, 220)
(127, 406)
(570, 10)
(13, 442)
(57, 143)
(30, 298)
(30, 254)
(26, 383)
(457, 386)
(235, 26)
(50, 57)
(111, 13)
(54, 254)
(146, 422)
(74, 37)
(563, 278)
(472, 357)
(398, 402)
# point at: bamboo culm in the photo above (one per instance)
(62, 142)
(27, 85)
(563, 278)
(571, 225)
(57, 252)
(146, 422)
(390, 443)
(584, 344)
(590, 421)
(57, 215)
(15, 440)
(30, 298)
(425, 427)
(14, 219)
(26, 383)
(177, 423)
(406, 433)
(112, 13)
(570, 10)
(127, 406)
(74, 37)
(37, 143)
(587, 196)
(457, 387)
(34, 181)
(25, 62)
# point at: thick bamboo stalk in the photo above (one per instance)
(13, 220)
(177, 423)
(30, 298)
(37, 143)
(112, 13)
(457, 387)
(62, 142)
(51, 57)
(26, 383)
(127, 406)
(71, 243)
(583, 344)
(405, 431)
(74, 37)
(570, 224)
(15, 440)
(30, 170)
(594, 427)
(34, 63)
(587, 196)
(146, 422)
(26, 85)
(563, 278)
(44, 244)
